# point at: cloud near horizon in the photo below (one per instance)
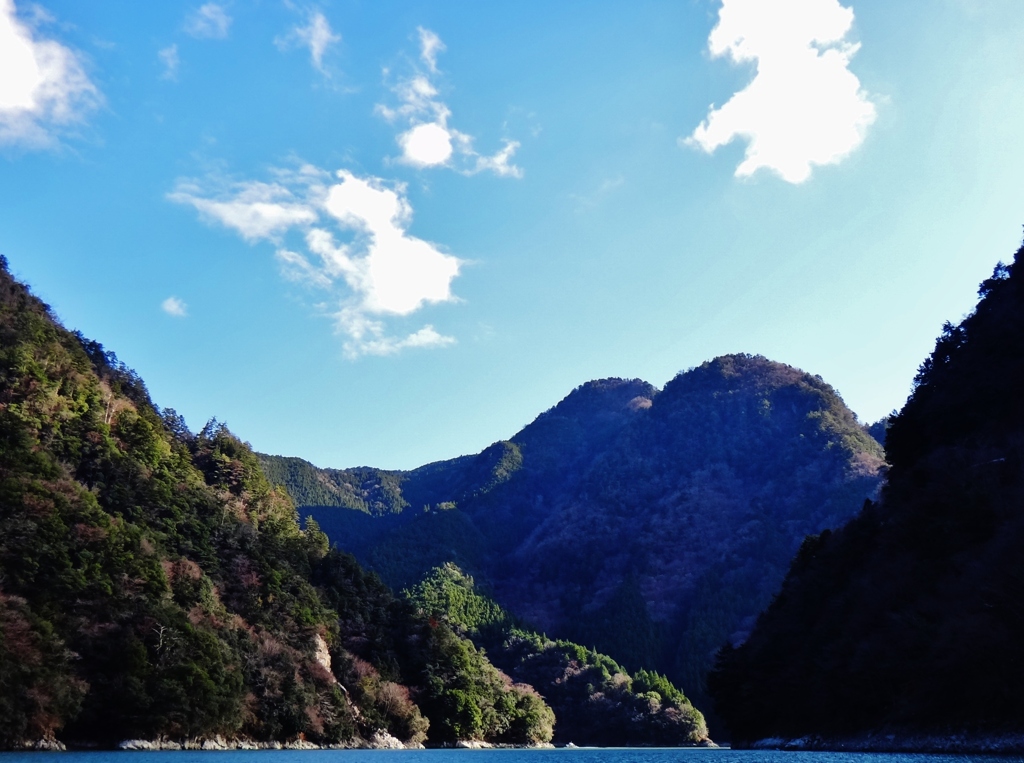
(429, 141)
(804, 106)
(43, 86)
(379, 272)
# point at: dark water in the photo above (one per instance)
(697, 755)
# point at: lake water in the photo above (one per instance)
(635, 755)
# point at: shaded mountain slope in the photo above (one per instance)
(650, 525)
(909, 618)
(154, 583)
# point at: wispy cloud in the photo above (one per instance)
(348, 236)
(174, 306)
(430, 46)
(209, 21)
(804, 106)
(316, 35)
(425, 338)
(169, 58)
(253, 209)
(43, 86)
(428, 140)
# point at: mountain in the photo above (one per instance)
(154, 584)
(908, 620)
(650, 525)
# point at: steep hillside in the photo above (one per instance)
(596, 701)
(650, 525)
(909, 618)
(154, 584)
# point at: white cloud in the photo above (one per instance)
(804, 106)
(174, 306)
(425, 338)
(398, 273)
(169, 58)
(499, 163)
(296, 267)
(368, 337)
(428, 140)
(426, 145)
(317, 35)
(43, 86)
(255, 210)
(209, 21)
(430, 46)
(376, 273)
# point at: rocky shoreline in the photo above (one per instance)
(381, 740)
(961, 743)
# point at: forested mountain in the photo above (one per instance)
(651, 525)
(910, 618)
(596, 701)
(153, 583)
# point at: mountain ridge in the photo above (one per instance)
(619, 515)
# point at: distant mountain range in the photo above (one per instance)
(651, 524)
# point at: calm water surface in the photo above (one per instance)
(697, 755)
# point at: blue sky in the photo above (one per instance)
(389, 233)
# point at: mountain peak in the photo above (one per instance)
(742, 371)
(601, 396)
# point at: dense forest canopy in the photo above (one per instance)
(909, 617)
(596, 701)
(154, 583)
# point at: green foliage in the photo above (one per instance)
(393, 653)
(646, 681)
(470, 699)
(154, 582)
(371, 491)
(448, 594)
(595, 702)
